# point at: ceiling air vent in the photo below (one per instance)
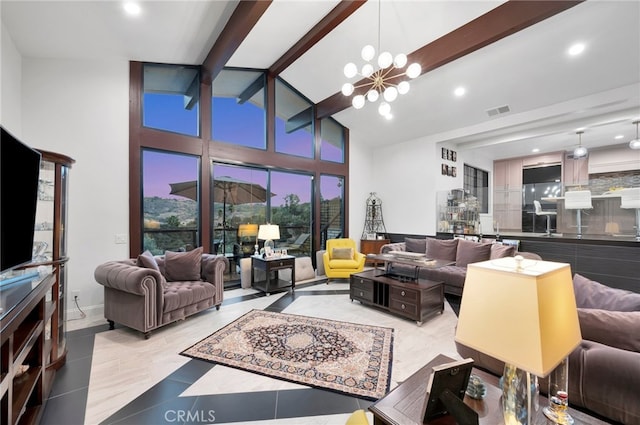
(498, 110)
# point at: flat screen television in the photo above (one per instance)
(19, 174)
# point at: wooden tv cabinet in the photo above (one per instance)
(414, 299)
(26, 324)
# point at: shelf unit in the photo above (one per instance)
(28, 310)
(458, 212)
(50, 229)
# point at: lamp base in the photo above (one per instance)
(269, 243)
(558, 415)
(519, 396)
(557, 410)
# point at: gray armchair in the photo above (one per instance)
(144, 299)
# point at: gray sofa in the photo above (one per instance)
(148, 292)
(604, 370)
(459, 251)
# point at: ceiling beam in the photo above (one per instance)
(244, 18)
(504, 20)
(338, 14)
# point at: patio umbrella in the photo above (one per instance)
(231, 191)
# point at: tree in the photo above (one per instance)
(173, 221)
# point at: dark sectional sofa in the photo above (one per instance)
(459, 251)
(604, 370)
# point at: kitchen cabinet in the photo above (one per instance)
(507, 194)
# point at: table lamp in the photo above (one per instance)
(267, 233)
(522, 312)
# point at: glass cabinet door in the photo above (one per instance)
(50, 245)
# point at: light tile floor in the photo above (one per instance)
(118, 377)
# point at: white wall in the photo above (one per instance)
(407, 177)
(80, 109)
(10, 83)
(361, 180)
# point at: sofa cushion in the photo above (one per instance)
(592, 294)
(415, 245)
(147, 260)
(500, 251)
(471, 252)
(342, 254)
(178, 295)
(183, 266)
(614, 328)
(443, 249)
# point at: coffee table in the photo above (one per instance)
(415, 299)
(405, 404)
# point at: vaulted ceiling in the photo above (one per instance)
(503, 54)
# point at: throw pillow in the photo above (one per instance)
(415, 245)
(442, 249)
(183, 266)
(342, 254)
(472, 252)
(592, 294)
(614, 328)
(500, 251)
(147, 260)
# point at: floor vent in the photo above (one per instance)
(498, 110)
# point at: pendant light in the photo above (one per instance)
(635, 143)
(580, 151)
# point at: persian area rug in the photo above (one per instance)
(339, 356)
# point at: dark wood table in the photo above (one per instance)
(405, 404)
(271, 267)
(415, 299)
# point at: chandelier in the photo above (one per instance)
(387, 82)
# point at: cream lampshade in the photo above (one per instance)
(522, 312)
(269, 232)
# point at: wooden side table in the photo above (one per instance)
(372, 246)
(405, 404)
(269, 265)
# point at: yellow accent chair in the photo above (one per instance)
(342, 259)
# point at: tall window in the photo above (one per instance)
(170, 208)
(294, 122)
(291, 210)
(237, 108)
(476, 183)
(170, 194)
(332, 140)
(240, 197)
(171, 98)
(331, 208)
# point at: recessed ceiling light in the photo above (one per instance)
(619, 136)
(460, 91)
(534, 150)
(576, 49)
(132, 9)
